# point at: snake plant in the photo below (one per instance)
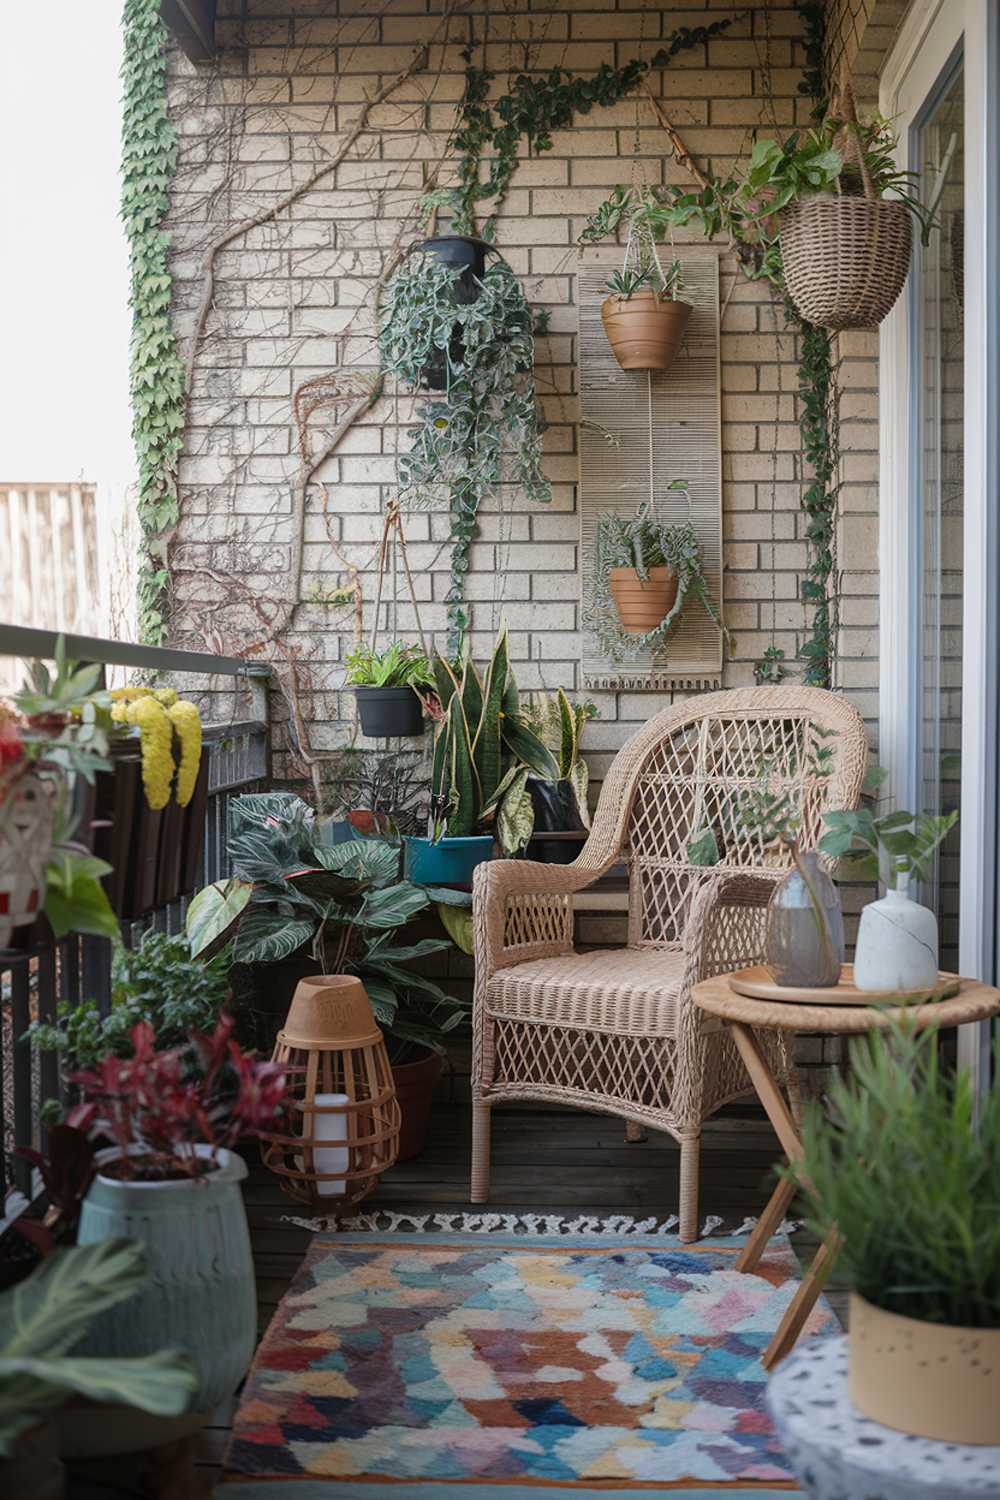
(484, 753)
(559, 725)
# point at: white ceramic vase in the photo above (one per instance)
(897, 946)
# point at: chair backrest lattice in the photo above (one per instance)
(694, 768)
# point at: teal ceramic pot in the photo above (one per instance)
(448, 862)
(201, 1295)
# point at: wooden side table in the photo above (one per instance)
(744, 1017)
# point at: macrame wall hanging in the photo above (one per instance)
(639, 432)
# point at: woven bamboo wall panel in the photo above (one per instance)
(663, 426)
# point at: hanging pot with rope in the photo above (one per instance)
(643, 318)
(846, 256)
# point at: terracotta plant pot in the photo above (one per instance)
(641, 606)
(415, 1084)
(928, 1379)
(644, 331)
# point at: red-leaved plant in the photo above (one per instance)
(157, 1106)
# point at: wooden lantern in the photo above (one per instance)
(343, 1105)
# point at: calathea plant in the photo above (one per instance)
(642, 543)
(294, 892)
(484, 753)
(485, 429)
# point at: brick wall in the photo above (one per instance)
(292, 301)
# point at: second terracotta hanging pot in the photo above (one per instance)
(641, 606)
(644, 330)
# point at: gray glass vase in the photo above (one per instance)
(804, 929)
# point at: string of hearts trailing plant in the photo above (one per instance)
(534, 107)
(484, 430)
(157, 383)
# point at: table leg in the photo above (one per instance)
(780, 1116)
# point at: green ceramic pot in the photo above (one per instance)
(200, 1295)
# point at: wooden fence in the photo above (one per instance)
(48, 557)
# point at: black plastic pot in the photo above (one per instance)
(389, 712)
(555, 806)
(454, 250)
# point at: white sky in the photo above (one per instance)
(64, 321)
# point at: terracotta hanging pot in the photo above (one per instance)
(644, 330)
(641, 606)
(930, 1379)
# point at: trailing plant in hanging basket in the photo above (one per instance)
(645, 571)
(825, 214)
(485, 430)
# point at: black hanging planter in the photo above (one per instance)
(456, 250)
(555, 806)
(389, 712)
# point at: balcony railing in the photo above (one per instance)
(33, 982)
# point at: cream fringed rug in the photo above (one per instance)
(423, 1366)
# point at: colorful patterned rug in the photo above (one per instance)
(420, 1365)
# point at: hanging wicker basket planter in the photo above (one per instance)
(845, 258)
(645, 330)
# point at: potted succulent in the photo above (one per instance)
(390, 687)
(645, 570)
(41, 1324)
(897, 947)
(559, 805)
(484, 752)
(300, 906)
(485, 429)
(907, 1176)
(825, 214)
(170, 1180)
(644, 317)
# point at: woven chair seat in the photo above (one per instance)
(627, 991)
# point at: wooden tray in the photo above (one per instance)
(758, 985)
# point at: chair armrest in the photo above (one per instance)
(521, 909)
(725, 926)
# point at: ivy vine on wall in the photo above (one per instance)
(157, 384)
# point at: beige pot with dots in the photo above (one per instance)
(930, 1379)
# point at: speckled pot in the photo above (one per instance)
(926, 1378)
(200, 1295)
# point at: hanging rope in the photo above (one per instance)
(394, 540)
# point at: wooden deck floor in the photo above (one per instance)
(544, 1161)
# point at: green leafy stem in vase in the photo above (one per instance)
(891, 846)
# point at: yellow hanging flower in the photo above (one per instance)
(167, 696)
(156, 739)
(186, 721)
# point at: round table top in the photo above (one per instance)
(839, 1452)
(974, 1002)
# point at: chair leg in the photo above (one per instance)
(479, 1191)
(688, 1211)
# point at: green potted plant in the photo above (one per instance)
(466, 255)
(644, 316)
(390, 687)
(897, 947)
(171, 1180)
(301, 904)
(374, 792)
(901, 1170)
(485, 429)
(559, 805)
(41, 1323)
(484, 752)
(645, 571)
(815, 213)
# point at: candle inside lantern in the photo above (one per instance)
(330, 1127)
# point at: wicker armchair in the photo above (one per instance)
(616, 1030)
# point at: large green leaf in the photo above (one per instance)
(579, 780)
(213, 915)
(396, 953)
(75, 900)
(516, 817)
(463, 779)
(457, 923)
(487, 746)
(567, 734)
(320, 884)
(525, 745)
(361, 861)
(383, 996)
(161, 1383)
(394, 905)
(447, 895)
(267, 937)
